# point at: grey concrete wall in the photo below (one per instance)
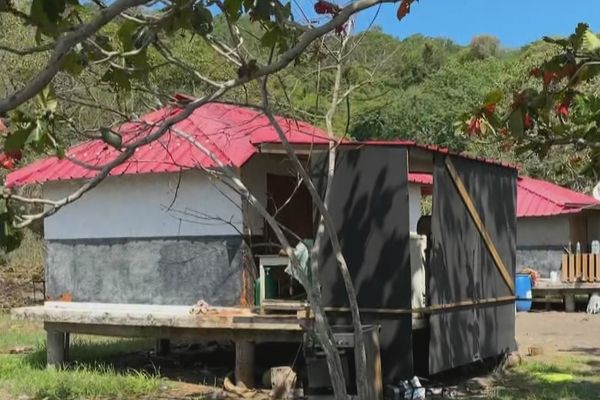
(542, 260)
(543, 231)
(146, 271)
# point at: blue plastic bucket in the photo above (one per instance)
(523, 288)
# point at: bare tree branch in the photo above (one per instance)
(63, 45)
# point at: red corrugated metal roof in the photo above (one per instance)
(233, 133)
(535, 197)
(421, 178)
(230, 132)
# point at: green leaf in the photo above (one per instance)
(560, 42)
(591, 43)
(60, 152)
(233, 9)
(73, 63)
(202, 20)
(17, 139)
(47, 100)
(493, 97)
(112, 138)
(119, 78)
(10, 238)
(577, 38)
(262, 10)
(515, 123)
(126, 34)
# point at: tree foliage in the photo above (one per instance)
(558, 105)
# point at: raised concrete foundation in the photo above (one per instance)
(146, 271)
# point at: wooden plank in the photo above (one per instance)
(577, 267)
(460, 186)
(179, 334)
(425, 310)
(591, 267)
(571, 267)
(584, 267)
(597, 257)
(564, 268)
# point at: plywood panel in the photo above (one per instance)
(462, 267)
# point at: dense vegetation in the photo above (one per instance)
(415, 88)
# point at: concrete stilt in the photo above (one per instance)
(244, 363)
(162, 347)
(57, 345)
(569, 303)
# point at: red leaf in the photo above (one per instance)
(549, 77)
(527, 121)
(325, 7)
(404, 9)
(490, 108)
(474, 127)
(562, 109)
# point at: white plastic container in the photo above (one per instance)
(595, 247)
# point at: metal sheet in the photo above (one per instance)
(462, 268)
(369, 205)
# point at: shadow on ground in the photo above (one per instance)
(206, 364)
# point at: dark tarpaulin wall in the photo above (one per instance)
(461, 267)
(369, 205)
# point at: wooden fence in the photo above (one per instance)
(580, 267)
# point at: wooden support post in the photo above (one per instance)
(244, 363)
(569, 302)
(57, 348)
(162, 347)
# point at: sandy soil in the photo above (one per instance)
(559, 333)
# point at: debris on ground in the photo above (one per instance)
(240, 389)
(594, 304)
(413, 390)
(15, 290)
(20, 350)
(200, 308)
(535, 351)
(282, 382)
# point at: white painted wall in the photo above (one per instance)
(543, 231)
(136, 206)
(414, 205)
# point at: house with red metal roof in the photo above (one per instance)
(163, 232)
(551, 219)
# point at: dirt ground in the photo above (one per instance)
(558, 333)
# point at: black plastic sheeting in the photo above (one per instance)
(369, 205)
(461, 267)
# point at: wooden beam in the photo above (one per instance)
(180, 334)
(489, 244)
(244, 363)
(427, 310)
(56, 348)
